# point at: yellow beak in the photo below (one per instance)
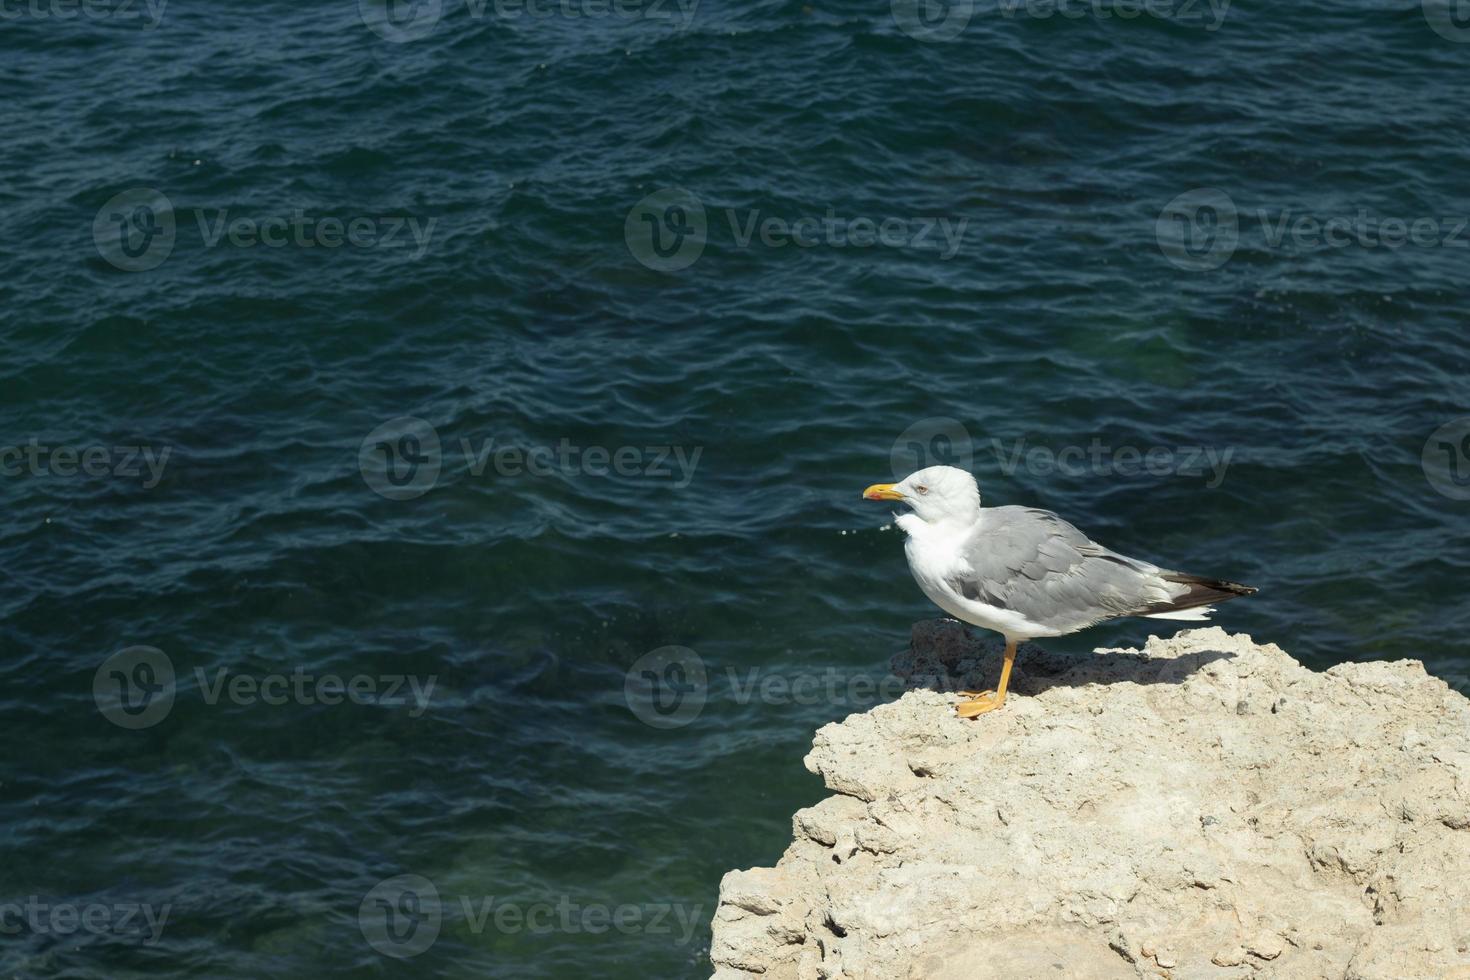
(882, 491)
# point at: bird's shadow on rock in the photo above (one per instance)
(943, 656)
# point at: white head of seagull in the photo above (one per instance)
(937, 494)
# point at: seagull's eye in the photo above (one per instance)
(922, 489)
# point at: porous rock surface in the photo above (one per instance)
(1206, 807)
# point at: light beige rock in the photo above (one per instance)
(1229, 957)
(1266, 946)
(1206, 797)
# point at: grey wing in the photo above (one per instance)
(1034, 563)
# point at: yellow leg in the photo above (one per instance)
(985, 701)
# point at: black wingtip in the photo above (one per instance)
(1228, 589)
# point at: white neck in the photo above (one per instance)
(916, 527)
(910, 523)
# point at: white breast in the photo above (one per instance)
(933, 552)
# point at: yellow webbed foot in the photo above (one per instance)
(979, 706)
(984, 701)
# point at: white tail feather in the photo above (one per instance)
(1194, 615)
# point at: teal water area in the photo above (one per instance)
(660, 294)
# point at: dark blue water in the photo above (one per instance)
(664, 290)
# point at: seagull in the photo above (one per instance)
(1026, 573)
